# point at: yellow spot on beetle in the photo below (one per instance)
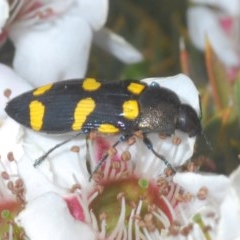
(130, 109)
(36, 111)
(108, 128)
(42, 90)
(136, 88)
(82, 110)
(91, 84)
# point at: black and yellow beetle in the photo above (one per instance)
(122, 107)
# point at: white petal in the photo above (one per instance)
(202, 23)
(231, 7)
(117, 46)
(176, 155)
(4, 13)
(47, 217)
(52, 51)
(235, 180)
(10, 142)
(36, 184)
(228, 227)
(217, 185)
(11, 135)
(10, 80)
(66, 166)
(94, 12)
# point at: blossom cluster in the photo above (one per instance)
(133, 195)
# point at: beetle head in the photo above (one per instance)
(188, 121)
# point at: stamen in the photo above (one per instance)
(168, 171)
(113, 172)
(131, 140)
(146, 233)
(202, 193)
(130, 224)
(185, 231)
(5, 175)
(94, 221)
(107, 167)
(10, 156)
(137, 218)
(120, 223)
(174, 228)
(169, 207)
(75, 187)
(176, 140)
(75, 149)
(162, 217)
(98, 191)
(31, 12)
(7, 93)
(149, 222)
(174, 190)
(10, 232)
(122, 173)
(15, 8)
(126, 156)
(103, 226)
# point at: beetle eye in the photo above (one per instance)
(154, 84)
(188, 121)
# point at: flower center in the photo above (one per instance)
(133, 207)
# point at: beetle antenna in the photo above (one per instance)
(149, 145)
(208, 143)
(44, 156)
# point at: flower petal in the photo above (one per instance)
(10, 143)
(66, 166)
(41, 221)
(117, 46)
(216, 184)
(11, 85)
(94, 12)
(230, 7)
(36, 184)
(202, 23)
(52, 50)
(4, 13)
(228, 227)
(235, 180)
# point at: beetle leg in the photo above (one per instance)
(44, 156)
(149, 145)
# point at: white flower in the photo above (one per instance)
(189, 205)
(132, 187)
(53, 38)
(230, 210)
(231, 7)
(4, 13)
(51, 219)
(220, 25)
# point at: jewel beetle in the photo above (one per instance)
(119, 107)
